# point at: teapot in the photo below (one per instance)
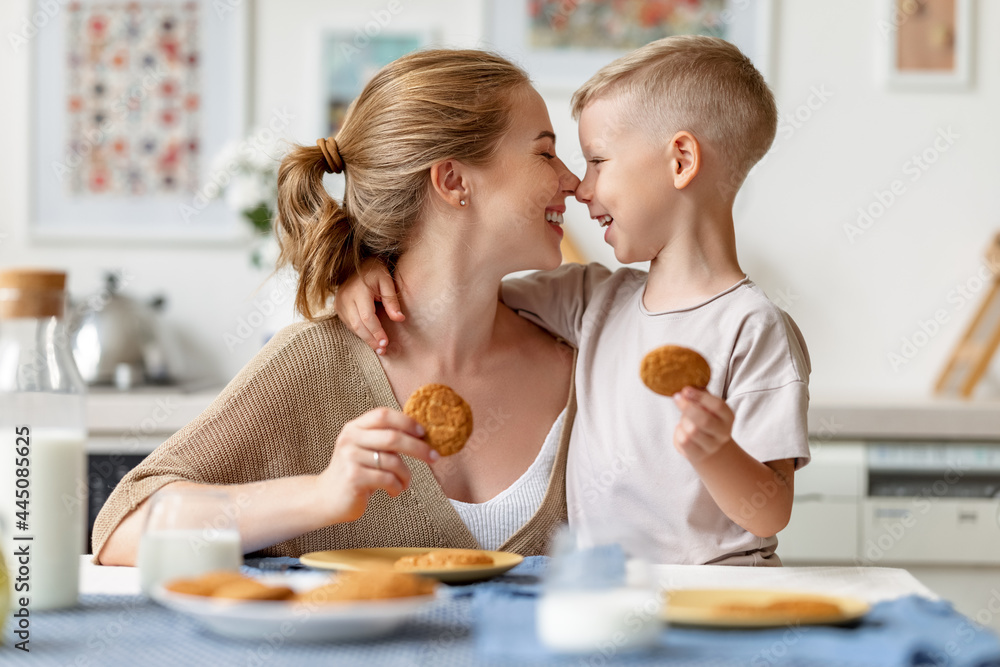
(116, 338)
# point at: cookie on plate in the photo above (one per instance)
(445, 416)
(799, 608)
(204, 584)
(668, 369)
(368, 585)
(251, 589)
(443, 560)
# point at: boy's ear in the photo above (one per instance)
(684, 155)
(450, 183)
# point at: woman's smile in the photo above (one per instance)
(554, 217)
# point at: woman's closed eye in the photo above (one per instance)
(548, 156)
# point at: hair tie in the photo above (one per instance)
(331, 153)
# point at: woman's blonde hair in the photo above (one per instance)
(425, 107)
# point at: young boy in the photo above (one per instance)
(670, 132)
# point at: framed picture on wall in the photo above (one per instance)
(347, 64)
(132, 99)
(563, 42)
(927, 44)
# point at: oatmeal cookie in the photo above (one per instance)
(668, 369)
(445, 416)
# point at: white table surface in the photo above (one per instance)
(872, 584)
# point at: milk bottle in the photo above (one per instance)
(43, 489)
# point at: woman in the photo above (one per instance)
(451, 172)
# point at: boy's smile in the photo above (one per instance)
(627, 183)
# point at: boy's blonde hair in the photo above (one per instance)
(701, 84)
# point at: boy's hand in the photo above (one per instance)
(355, 303)
(706, 424)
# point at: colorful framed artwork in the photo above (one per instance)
(563, 42)
(927, 44)
(132, 100)
(342, 62)
(347, 65)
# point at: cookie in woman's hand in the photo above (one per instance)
(668, 369)
(445, 416)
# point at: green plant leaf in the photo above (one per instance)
(259, 218)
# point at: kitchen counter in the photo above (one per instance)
(920, 419)
(159, 409)
(163, 410)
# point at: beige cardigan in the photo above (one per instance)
(281, 415)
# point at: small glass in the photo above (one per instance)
(598, 598)
(187, 533)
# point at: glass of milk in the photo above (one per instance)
(589, 605)
(187, 533)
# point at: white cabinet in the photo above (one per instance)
(931, 531)
(829, 494)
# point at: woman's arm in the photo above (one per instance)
(274, 510)
(267, 512)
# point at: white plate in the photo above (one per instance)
(295, 621)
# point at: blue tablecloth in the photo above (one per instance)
(492, 623)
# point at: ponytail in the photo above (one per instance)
(314, 233)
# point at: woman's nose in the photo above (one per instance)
(584, 190)
(568, 181)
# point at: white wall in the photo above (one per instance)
(854, 301)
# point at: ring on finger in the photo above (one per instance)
(378, 460)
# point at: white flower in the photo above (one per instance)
(244, 193)
(246, 172)
(226, 156)
(267, 156)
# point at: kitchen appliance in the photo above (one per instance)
(117, 338)
(931, 507)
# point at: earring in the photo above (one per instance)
(462, 202)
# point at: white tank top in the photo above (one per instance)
(495, 520)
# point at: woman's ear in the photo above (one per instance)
(684, 155)
(450, 182)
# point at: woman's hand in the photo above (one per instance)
(356, 298)
(366, 458)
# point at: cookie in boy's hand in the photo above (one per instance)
(445, 416)
(668, 369)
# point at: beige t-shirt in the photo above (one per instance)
(625, 481)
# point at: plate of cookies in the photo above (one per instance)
(448, 565)
(305, 606)
(752, 608)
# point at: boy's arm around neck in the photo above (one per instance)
(555, 300)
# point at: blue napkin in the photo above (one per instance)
(267, 565)
(525, 579)
(907, 632)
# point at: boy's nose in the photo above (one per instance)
(584, 191)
